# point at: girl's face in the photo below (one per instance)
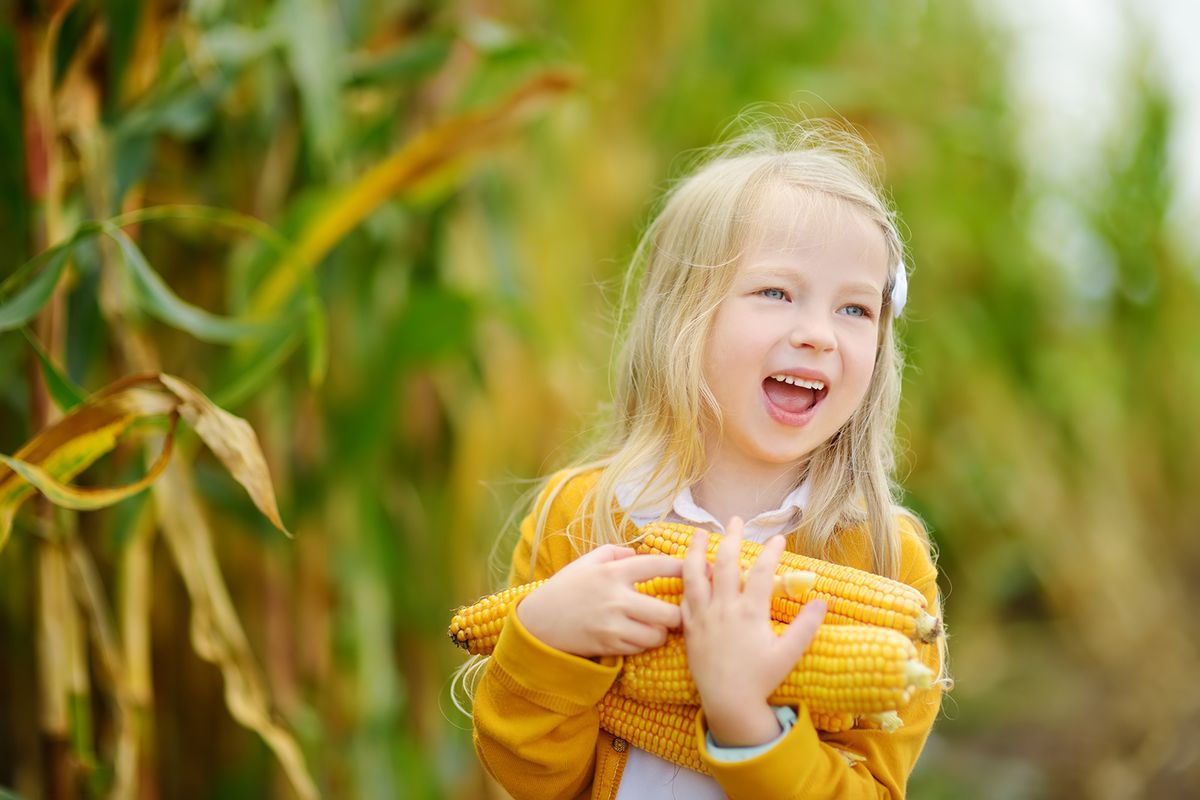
(792, 347)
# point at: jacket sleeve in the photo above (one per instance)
(858, 763)
(535, 718)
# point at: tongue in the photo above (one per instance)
(795, 399)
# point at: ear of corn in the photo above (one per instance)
(477, 628)
(848, 669)
(851, 674)
(667, 731)
(852, 595)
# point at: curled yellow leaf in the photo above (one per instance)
(88, 498)
(62, 450)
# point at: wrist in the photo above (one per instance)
(529, 613)
(746, 725)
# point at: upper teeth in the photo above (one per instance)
(807, 384)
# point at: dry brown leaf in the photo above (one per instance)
(232, 440)
(217, 635)
(64, 449)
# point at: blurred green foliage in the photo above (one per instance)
(455, 342)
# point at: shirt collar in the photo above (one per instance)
(656, 502)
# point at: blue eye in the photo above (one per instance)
(774, 293)
(857, 311)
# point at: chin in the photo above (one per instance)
(784, 457)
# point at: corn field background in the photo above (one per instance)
(388, 236)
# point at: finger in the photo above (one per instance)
(799, 634)
(652, 611)
(760, 578)
(644, 637)
(608, 552)
(697, 588)
(727, 577)
(645, 567)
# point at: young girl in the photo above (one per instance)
(759, 381)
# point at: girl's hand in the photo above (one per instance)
(735, 657)
(590, 608)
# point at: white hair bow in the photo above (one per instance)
(899, 291)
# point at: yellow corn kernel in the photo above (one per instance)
(852, 595)
(832, 723)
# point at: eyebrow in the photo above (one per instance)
(763, 273)
(864, 287)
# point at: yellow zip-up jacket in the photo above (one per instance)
(537, 728)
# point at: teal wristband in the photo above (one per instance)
(787, 718)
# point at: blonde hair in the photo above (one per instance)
(685, 262)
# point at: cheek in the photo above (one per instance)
(862, 368)
(725, 355)
(735, 368)
(715, 369)
(721, 352)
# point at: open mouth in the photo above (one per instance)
(793, 395)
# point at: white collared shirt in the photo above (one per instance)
(648, 777)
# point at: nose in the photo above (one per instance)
(814, 332)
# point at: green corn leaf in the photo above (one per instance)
(252, 373)
(26, 304)
(122, 20)
(316, 330)
(14, 201)
(312, 35)
(224, 217)
(156, 297)
(427, 155)
(63, 391)
(180, 106)
(405, 63)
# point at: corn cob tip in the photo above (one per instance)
(917, 674)
(456, 629)
(888, 721)
(928, 627)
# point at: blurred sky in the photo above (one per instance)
(1075, 71)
